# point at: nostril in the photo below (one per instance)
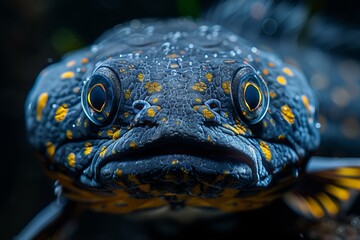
(213, 104)
(139, 105)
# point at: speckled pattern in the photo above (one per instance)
(173, 123)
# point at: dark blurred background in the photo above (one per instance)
(36, 33)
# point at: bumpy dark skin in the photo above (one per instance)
(171, 131)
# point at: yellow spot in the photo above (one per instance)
(229, 61)
(61, 112)
(140, 76)
(240, 128)
(126, 114)
(116, 135)
(226, 114)
(266, 150)
(88, 148)
(71, 63)
(177, 122)
(174, 55)
(68, 74)
(281, 79)
(71, 159)
(199, 87)
(163, 119)
(76, 89)
(287, 114)
(207, 113)
(127, 94)
(50, 149)
(236, 130)
(209, 77)
(288, 71)
(281, 137)
(158, 108)
(118, 172)
(174, 65)
(305, 101)
(155, 100)
(265, 71)
(84, 60)
(133, 145)
(209, 138)
(196, 108)
(102, 151)
(110, 133)
(69, 134)
(153, 87)
(272, 94)
(86, 124)
(150, 112)
(41, 104)
(175, 161)
(271, 64)
(198, 100)
(226, 87)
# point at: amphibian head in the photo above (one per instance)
(172, 112)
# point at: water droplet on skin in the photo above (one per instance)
(238, 50)
(318, 125)
(135, 24)
(73, 125)
(94, 49)
(295, 172)
(232, 38)
(191, 45)
(54, 105)
(206, 56)
(232, 53)
(254, 49)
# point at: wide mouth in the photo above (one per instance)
(179, 165)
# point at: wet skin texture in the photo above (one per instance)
(172, 113)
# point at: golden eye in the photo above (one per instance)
(100, 96)
(250, 95)
(97, 97)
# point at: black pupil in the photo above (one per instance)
(97, 97)
(252, 96)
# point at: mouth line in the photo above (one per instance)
(204, 151)
(158, 154)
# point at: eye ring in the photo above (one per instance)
(100, 96)
(91, 90)
(250, 95)
(248, 105)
